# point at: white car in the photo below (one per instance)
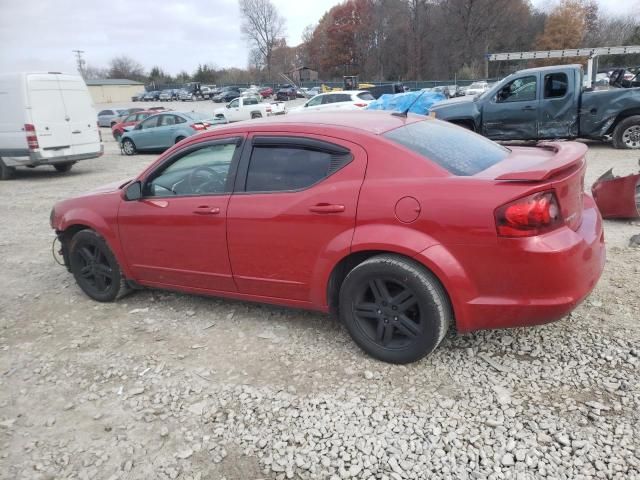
(47, 119)
(476, 88)
(345, 100)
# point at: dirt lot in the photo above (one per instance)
(163, 385)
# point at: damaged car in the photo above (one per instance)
(308, 211)
(548, 103)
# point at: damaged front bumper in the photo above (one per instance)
(617, 197)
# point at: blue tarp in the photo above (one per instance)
(399, 102)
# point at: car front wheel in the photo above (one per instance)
(128, 147)
(94, 267)
(394, 308)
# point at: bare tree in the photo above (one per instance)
(126, 67)
(262, 26)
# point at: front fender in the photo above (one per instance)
(94, 221)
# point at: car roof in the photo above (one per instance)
(368, 121)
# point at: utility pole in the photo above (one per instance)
(79, 61)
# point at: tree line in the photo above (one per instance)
(396, 40)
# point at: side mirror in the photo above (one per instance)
(306, 105)
(228, 105)
(133, 191)
(138, 127)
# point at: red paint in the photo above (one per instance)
(282, 247)
(616, 197)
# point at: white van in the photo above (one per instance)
(45, 119)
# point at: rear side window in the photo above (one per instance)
(555, 85)
(279, 168)
(365, 96)
(459, 151)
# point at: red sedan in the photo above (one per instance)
(401, 226)
(130, 120)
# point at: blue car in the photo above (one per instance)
(163, 130)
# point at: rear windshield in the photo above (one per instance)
(459, 151)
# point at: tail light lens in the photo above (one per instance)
(198, 126)
(360, 105)
(528, 216)
(268, 109)
(32, 139)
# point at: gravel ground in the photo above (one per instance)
(163, 385)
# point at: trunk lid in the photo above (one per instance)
(552, 165)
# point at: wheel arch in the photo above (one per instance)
(629, 112)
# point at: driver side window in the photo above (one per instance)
(200, 172)
(150, 122)
(519, 90)
(234, 103)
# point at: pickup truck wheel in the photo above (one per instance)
(128, 147)
(394, 308)
(627, 133)
(6, 172)
(63, 167)
(256, 115)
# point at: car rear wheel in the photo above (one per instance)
(63, 167)
(627, 133)
(94, 267)
(6, 172)
(395, 309)
(128, 147)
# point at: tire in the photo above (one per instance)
(405, 319)
(128, 147)
(256, 115)
(63, 167)
(626, 135)
(6, 172)
(179, 139)
(95, 268)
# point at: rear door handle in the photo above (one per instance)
(206, 210)
(327, 208)
(528, 107)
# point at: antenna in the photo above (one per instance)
(406, 111)
(79, 60)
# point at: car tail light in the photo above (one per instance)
(268, 109)
(529, 216)
(32, 139)
(198, 126)
(360, 104)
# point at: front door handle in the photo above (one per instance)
(528, 107)
(327, 208)
(206, 210)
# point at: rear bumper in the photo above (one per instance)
(525, 281)
(34, 159)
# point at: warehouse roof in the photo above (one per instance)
(112, 81)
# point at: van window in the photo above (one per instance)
(459, 151)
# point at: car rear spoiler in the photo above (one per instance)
(568, 155)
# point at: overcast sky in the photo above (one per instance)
(177, 35)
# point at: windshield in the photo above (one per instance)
(456, 149)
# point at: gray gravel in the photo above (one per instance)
(162, 385)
